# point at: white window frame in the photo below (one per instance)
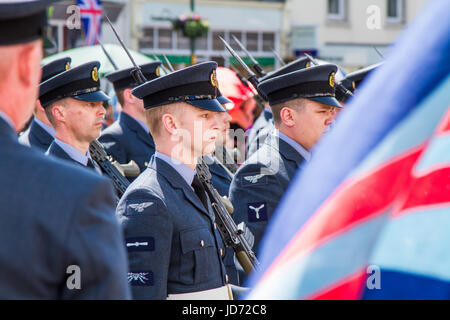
(400, 11)
(341, 15)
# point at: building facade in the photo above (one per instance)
(345, 31)
(257, 24)
(351, 33)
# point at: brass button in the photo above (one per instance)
(215, 225)
(202, 243)
(221, 252)
(226, 278)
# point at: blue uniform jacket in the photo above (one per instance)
(54, 215)
(36, 136)
(126, 140)
(260, 182)
(172, 241)
(220, 177)
(56, 151)
(259, 131)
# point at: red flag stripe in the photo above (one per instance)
(358, 201)
(350, 288)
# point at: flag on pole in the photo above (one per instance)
(91, 15)
(369, 217)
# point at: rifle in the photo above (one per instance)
(111, 167)
(339, 86)
(277, 56)
(258, 69)
(251, 76)
(136, 73)
(108, 56)
(234, 236)
(168, 63)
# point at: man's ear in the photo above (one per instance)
(170, 123)
(287, 116)
(128, 96)
(58, 113)
(29, 72)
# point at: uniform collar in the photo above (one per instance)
(131, 121)
(294, 144)
(143, 125)
(184, 171)
(50, 130)
(75, 154)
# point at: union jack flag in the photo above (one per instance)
(91, 15)
(369, 217)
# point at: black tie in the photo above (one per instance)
(200, 191)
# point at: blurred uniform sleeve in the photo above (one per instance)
(95, 245)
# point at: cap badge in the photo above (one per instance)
(213, 79)
(331, 80)
(94, 74)
(157, 71)
(67, 65)
(307, 64)
(353, 85)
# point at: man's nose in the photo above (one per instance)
(101, 110)
(226, 117)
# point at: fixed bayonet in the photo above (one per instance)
(259, 71)
(108, 56)
(241, 78)
(379, 53)
(251, 75)
(136, 73)
(168, 63)
(277, 56)
(162, 64)
(343, 90)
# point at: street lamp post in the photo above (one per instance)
(193, 58)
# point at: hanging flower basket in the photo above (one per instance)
(191, 25)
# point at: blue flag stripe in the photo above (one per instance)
(417, 243)
(412, 131)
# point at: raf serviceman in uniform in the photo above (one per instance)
(353, 80)
(129, 138)
(56, 220)
(174, 248)
(40, 134)
(264, 123)
(220, 176)
(73, 103)
(303, 104)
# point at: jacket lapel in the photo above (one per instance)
(177, 182)
(40, 134)
(135, 127)
(217, 169)
(56, 150)
(284, 149)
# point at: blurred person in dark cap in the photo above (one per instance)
(59, 237)
(128, 138)
(303, 105)
(40, 133)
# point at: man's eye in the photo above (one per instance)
(205, 115)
